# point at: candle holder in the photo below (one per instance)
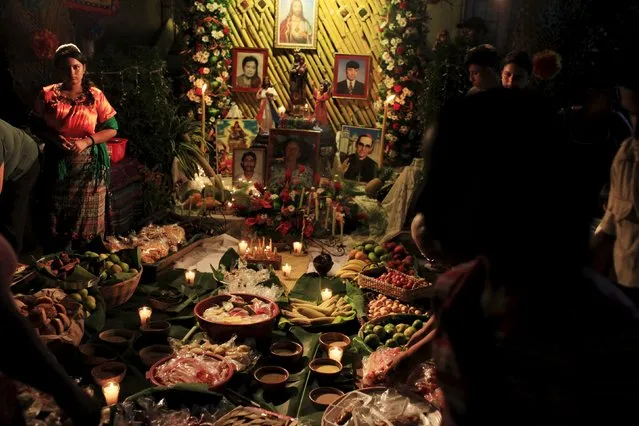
(145, 314)
(336, 352)
(287, 269)
(298, 248)
(111, 392)
(189, 276)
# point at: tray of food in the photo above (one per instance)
(391, 330)
(254, 417)
(391, 282)
(379, 305)
(211, 370)
(336, 310)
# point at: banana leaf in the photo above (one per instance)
(95, 323)
(229, 260)
(183, 394)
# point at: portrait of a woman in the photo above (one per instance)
(75, 120)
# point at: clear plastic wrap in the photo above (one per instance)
(246, 280)
(146, 412)
(376, 366)
(241, 355)
(423, 379)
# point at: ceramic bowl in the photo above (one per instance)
(323, 397)
(286, 351)
(97, 354)
(325, 367)
(110, 371)
(152, 354)
(327, 339)
(120, 338)
(271, 376)
(156, 329)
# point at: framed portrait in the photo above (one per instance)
(294, 151)
(362, 151)
(296, 24)
(229, 135)
(249, 165)
(249, 69)
(351, 76)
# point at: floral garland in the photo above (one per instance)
(402, 64)
(208, 58)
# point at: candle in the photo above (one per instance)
(333, 226)
(317, 218)
(297, 248)
(341, 229)
(190, 277)
(243, 246)
(335, 352)
(111, 391)
(202, 147)
(145, 314)
(327, 293)
(281, 110)
(287, 270)
(329, 203)
(301, 199)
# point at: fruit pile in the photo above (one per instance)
(106, 266)
(351, 269)
(60, 266)
(390, 335)
(382, 305)
(398, 258)
(402, 280)
(87, 301)
(305, 313)
(370, 251)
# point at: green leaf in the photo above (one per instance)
(361, 347)
(95, 323)
(229, 260)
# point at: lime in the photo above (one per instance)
(391, 343)
(380, 251)
(124, 266)
(115, 269)
(108, 264)
(103, 256)
(385, 257)
(380, 332)
(373, 257)
(389, 329)
(410, 331)
(133, 271)
(418, 324)
(369, 328)
(91, 303)
(372, 340)
(114, 258)
(76, 296)
(84, 293)
(399, 328)
(369, 248)
(400, 339)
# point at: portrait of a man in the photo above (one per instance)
(361, 153)
(249, 69)
(295, 26)
(231, 134)
(351, 76)
(248, 166)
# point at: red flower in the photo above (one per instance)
(201, 70)
(397, 88)
(308, 230)
(225, 30)
(284, 228)
(285, 196)
(250, 221)
(338, 186)
(260, 187)
(287, 175)
(395, 126)
(228, 62)
(397, 106)
(402, 5)
(302, 169)
(400, 50)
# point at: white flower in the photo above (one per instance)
(402, 22)
(199, 6)
(393, 50)
(198, 83)
(409, 14)
(206, 70)
(224, 75)
(208, 100)
(386, 56)
(390, 67)
(199, 30)
(211, 7)
(379, 69)
(385, 42)
(274, 196)
(220, 79)
(391, 27)
(205, 39)
(192, 78)
(192, 96)
(217, 34)
(291, 209)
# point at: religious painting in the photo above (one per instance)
(351, 76)
(293, 155)
(249, 166)
(229, 135)
(361, 152)
(296, 24)
(249, 69)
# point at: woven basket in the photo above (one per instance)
(405, 295)
(117, 294)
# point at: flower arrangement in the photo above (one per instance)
(208, 59)
(546, 64)
(403, 37)
(44, 44)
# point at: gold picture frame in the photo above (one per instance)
(289, 35)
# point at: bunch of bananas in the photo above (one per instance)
(351, 269)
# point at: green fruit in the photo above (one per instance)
(372, 340)
(380, 251)
(410, 331)
(91, 303)
(400, 339)
(104, 276)
(380, 332)
(359, 248)
(369, 248)
(418, 324)
(115, 269)
(133, 271)
(373, 257)
(389, 329)
(391, 343)
(84, 293)
(385, 258)
(103, 256)
(76, 296)
(114, 258)
(399, 328)
(369, 328)
(108, 264)
(124, 266)
(91, 254)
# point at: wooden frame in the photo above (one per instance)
(239, 55)
(348, 138)
(282, 38)
(361, 88)
(310, 139)
(227, 139)
(260, 165)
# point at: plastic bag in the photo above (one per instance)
(376, 366)
(424, 380)
(249, 281)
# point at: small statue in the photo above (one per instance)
(267, 114)
(298, 79)
(322, 95)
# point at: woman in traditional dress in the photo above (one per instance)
(267, 114)
(75, 120)
(322, 95)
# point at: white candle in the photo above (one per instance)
(287, 270)
(145, 314)
(111, 392)
(327, 293)
(243, 246)
(297, 247)
(190, 277)
(335, 352)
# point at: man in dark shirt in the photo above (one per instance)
(358, 166)
(351, 85)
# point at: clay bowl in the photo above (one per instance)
(271, 376)
(332, 338)
(325, 368)
(323, 397)
(286, 351)
(97, 354)
(120, 338)
(152, 354)
(156, 381)
(223, 331)
(156, 329)
(110, 371)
